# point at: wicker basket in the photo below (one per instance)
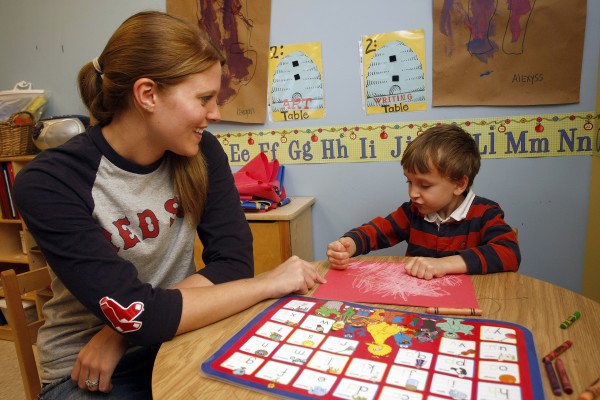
(16, 135)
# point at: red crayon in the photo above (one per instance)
(562, 375)
(558, 351)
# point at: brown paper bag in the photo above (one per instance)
(485, 53)
(241, 31)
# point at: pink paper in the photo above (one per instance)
(388, 283)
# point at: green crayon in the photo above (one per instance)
(572, 318)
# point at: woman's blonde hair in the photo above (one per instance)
(163, 48)
(446, 147)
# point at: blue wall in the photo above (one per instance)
(46, 42)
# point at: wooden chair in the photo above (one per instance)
(24, 333)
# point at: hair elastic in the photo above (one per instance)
(96, 65)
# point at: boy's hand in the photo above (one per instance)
(425, 267)
(340, 251)
(428, 268)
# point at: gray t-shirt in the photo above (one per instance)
(115, 239)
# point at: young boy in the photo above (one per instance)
(448, 229)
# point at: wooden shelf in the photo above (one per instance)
(18, 159)
(5, 333)
(14, 237)
(14, 258)
(10, 221)
(28, 296)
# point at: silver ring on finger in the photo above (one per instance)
(90, 384)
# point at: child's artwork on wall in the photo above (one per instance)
(495, 52)
(393, 72)
(241, 30)
(296, 82)
(388, 283)
(305, 348)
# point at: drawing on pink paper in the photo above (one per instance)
(388, 283)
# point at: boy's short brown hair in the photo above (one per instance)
(446, 147)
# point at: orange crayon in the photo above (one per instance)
(591, 392)
(454, 311)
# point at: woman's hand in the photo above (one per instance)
(98, 359)
(205, 305)
(292, 276)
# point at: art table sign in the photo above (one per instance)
(303, 347)
(549, 135)
(296, 82)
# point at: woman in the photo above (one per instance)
(115, 211)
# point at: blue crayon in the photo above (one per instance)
(572, 318)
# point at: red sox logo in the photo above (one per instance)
(120, 317)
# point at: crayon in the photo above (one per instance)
(558, 351)
(591, 392)
(553, 378)
(563, 377)
(454, 311)
(572, 318)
